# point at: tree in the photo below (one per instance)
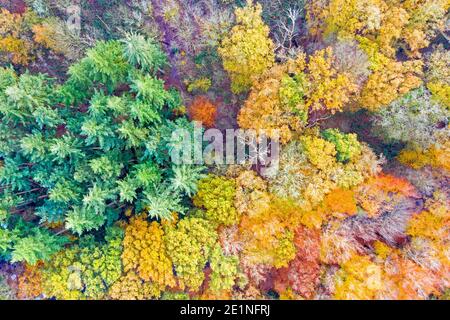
(30, 282)
(433, 223)
(12, 45)
(392, 24)
(420, 122)
(302, 274)
(85, 270)
(281, 100)
(268, 235)
(347, 145)
(247, 51)
(186, 178)
(225, 271)
(23, 242)
(145, 255)
(438, 75)
(309, 170)
(383, 192)
(329, 88)
(390, 81)
(17, 49)
(383, 30)
(216, 196)
(82, 166)
(276, 102)
(436, 156)
(93, 206)
(144, 53)
(39, 246)
(131, 287)
(203, 111)
(45, 35)
(358, 278)
(189, 245)
(413, 119)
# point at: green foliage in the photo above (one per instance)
(77, 152)
(7, 78)
(22, 242)
(189, 247)
(81, 219)
(39, 246)
(144, 53)
(86, 270)
(414, 119)
(161, 202)
(224, 270)
(185, 178)
(108, 62)
(292, 94)
(160, 142)
(347, 145)
(216, 195)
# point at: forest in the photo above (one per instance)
(356, 94)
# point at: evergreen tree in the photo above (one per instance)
(80, 151)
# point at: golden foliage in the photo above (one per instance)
(145, 252)
(388, 23)
(279, 101)
(438, 156)
(10, 23)
(264, 111)
(329, 89)
(268, 235)
(45, 34)
(358, 279)
(390, 81)
(131, 287)
(434, 223)
(383, 28)
(17, 49)
(30, 282)
(12, 38)
(247, 51)
(251, 194)
(320, 153)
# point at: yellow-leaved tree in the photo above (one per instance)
(391, 33)
(283, 96)
(247, 51)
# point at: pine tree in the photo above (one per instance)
(79, 152)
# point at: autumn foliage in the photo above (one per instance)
(145, 253)
(247, 51)
(203, 110)
(353, 97)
